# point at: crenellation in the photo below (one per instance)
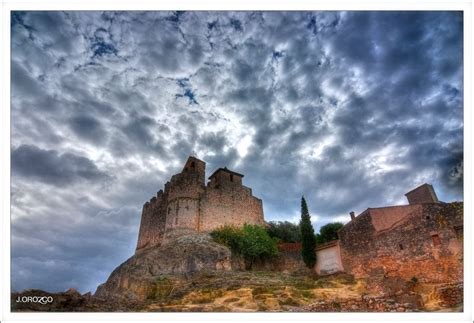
(189, 204)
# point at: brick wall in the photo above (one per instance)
(289, 259)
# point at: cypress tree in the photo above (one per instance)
(308, 239)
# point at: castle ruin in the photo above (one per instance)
(187, 205)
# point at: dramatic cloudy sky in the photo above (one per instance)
(351, 109)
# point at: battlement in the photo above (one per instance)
(188, 204)
(155, 199)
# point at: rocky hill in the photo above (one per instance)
(136, 278)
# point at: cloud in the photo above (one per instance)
(58, 256)
(47, 166)
(351, 109)
(88, 128)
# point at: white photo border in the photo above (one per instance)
(232, 5)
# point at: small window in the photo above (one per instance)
(169, 210)
(192, 165)
(436, 240)
(231, 177)
(400, 246)
(427, 217)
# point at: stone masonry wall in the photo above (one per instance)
(426, 244)
(183, 213)
(175, 208)
(229, 204)
(152, 224)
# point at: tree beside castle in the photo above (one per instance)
(308, 239)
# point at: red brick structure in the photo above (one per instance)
(422, 194)
(421, 240)
(187, 204)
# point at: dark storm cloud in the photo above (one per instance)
(88, 128)
(66, 257)
(351, 109)
(48, 166)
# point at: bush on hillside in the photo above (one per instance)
(252, 242)
(284, 231)
(328, 232)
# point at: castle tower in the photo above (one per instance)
(227, 202)
(197, 166)
(422, 194)
(183, 195)
(224, 176)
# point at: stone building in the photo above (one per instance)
(188, 204)
(423, 239)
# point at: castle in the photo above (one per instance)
(187, 205)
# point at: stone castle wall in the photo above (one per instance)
(152, 224)
(422, 241)
(230, 204)
(188, 205)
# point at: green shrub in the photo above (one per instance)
(229, 236)
(252, 242)
(328, 232)
(257, 244)
(285, 231)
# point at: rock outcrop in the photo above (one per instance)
(141, 275)
(41, 301)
